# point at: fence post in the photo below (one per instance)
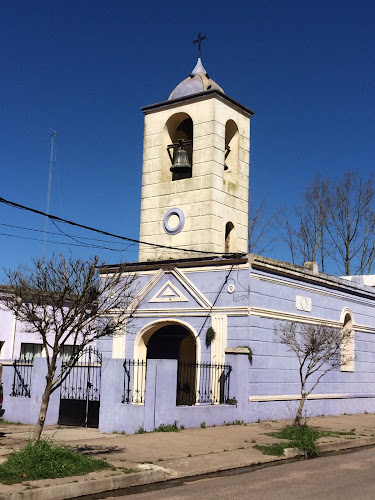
(238, 357)
(161, 387)
(112, 383)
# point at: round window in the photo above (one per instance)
(173, 221)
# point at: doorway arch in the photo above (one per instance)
(168, 339)
(183, 338)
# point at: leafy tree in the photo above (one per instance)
(319, 349)
(65, 301)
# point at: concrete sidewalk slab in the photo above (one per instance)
(162, 456)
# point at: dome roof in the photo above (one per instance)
(198, 81)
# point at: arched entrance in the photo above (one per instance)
(184, 345)
(172, 340)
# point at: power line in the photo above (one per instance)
(63, 242)
(58, 234)
(106, 233)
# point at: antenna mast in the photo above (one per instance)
(51, 162)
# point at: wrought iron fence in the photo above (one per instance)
(134, 381)
(203, 383)
(84, 377)
(21, 386)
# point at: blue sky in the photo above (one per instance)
(84, 69)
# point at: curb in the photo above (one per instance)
(94, 486)
(88, 487)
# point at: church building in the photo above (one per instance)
(199, 344)
(203, 300)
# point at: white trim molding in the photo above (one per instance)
(297, 397)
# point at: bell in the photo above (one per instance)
(180, 160)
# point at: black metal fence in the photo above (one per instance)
(202, 383)
(80, 390)
(83, 380)
(134, 381)
(21, 386)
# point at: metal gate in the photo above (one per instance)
(80, 391)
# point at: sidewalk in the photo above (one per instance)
(157, 456)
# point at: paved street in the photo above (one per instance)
(348, 476)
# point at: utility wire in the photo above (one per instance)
(59, 233)
(106, 233)
(63, 242)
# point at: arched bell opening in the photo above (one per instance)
(231, 154)
(230, 238)
(178, 146)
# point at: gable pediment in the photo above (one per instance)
(168, 289)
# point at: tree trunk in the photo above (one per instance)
(298, 417)
(43, 409)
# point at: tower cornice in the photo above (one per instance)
(207, 94)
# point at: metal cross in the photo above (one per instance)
(199, 41)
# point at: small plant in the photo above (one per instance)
(232, 401)
(140, 430)
(250, 354)
(238, 422)
(203, 425)
(168, 427)
(182, 427)
(210, 336)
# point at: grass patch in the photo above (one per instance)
(336, 433)
(168, 427)
(302, 437)
(6, 422)
(45, 460)
(276, 449)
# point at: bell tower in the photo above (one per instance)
(195, 176)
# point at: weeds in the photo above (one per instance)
(302, 437)
(140, 430)
(45, 460)
(276, 449)
(168, 427)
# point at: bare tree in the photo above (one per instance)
(351, 223)
(312, 216)
(319, 349)
(304, 232)
(65, 301)
(261, 234)
(288, 233)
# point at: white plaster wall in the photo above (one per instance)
(207, 199)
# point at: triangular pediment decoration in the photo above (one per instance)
(169, 293)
